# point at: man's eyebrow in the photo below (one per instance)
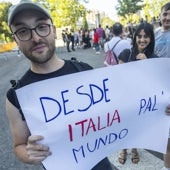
(164, 13)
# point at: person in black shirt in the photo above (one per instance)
(33, 30)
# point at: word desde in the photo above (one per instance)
(61, 106)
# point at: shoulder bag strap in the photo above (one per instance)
(108, 46)
(116, 44)
(76, 65)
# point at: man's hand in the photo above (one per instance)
(37, 152)
(168, 110)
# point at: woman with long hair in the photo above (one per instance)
(143, 44)
(142, 48)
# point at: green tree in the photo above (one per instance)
(151, 10)
(126, 8)
(5, 35)
(84, 23)
(106, 21)
(65, 12)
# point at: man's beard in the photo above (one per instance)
(45, 57)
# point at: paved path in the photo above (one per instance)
(12, 67)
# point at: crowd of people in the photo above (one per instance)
(86, 38)
(96, 38)
(34, 32)
(146, 42)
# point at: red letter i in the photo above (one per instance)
(70, 132)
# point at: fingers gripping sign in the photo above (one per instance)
(36, 151)
(141, 56)
(168, 109)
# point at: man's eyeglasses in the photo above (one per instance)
(25, 34)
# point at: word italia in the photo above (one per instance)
(86, 126)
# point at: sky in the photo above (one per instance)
(107, 6)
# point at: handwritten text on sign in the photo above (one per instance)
(89, 115)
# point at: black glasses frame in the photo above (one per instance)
(30, 31)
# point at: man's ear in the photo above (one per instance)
(15, 39)
(55, 31)
(16, 42)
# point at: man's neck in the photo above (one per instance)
(48, 67)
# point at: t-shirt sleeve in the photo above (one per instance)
(124, 55)
(10, 96)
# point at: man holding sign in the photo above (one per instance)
(35, 34)
(33, 30)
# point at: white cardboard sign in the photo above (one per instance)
(86, 116)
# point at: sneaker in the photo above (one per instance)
(97, 52)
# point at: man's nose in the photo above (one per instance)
(142, 38)
(35, 36)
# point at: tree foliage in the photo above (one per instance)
(106, 21)
(65, 12)
(84, 23)
(128, 7)
(68, 12)
(151, 10)
(4, 30)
